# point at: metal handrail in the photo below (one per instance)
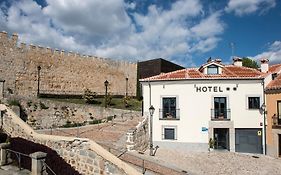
(174, 115)
(220, 114)
(18, 154)
(46, 165)
(276, 120)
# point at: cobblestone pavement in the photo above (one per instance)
(217, 162)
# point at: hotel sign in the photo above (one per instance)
(208, 89)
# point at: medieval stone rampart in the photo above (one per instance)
(61, 72)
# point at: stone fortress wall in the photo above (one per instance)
(61, 72)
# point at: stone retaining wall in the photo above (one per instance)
(84, 155)
(55, 114)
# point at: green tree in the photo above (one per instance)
(247, 62)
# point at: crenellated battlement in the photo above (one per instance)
(61, 70)
(55, 51)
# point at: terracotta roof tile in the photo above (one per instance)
(274, 68)
(228, 72)
(274, 84)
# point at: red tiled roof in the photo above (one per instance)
(274, 68)
(228, 72)
(274, 84)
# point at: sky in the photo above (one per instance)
(186, 32)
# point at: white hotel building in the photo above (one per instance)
(217, 101)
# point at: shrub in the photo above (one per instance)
(89, 96)
(97, 121)
(126, 100)
(70, 124)
(211, 143)
(109, 118)
(43, 106)
(29, 103)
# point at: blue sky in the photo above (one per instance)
(187, 32)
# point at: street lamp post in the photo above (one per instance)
(127, 86)
(151, 111)
(263, 108)
(105, 84)
(38, 80)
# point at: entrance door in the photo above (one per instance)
(221, 137)
(220, 107)
(279, 145)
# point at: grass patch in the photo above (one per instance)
(14, 102)
(118, 103)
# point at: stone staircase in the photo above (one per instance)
(85, 155)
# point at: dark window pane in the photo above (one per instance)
(254, 102)
(169, 133)
(169, 107)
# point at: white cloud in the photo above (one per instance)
(104, 28)
(92, 17)
(243, 7)
(273, 53)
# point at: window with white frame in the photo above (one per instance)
(253, 102)
(169, 132)
(169, 109)
(212, 70)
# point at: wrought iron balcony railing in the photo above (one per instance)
(169, 114)
(220, 114)
(276, 121)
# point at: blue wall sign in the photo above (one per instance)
(204, 129)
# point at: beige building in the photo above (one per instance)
(273, 104)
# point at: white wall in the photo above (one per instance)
(195, 107)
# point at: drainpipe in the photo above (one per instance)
(264, 120)
(149, 85)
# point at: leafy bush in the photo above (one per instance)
(43, 106)
(126, 101)
(70, 124)
(89, 96)
(29, 103)
(110, 118)
(97, 121)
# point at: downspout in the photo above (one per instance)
(149, 85)
(264, 119)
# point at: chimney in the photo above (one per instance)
(218, 60)
(264, 65)
(237, 61)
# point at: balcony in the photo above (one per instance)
(220, 114)
(276, 121)
(169, 115)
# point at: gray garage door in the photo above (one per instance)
(248, 140)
